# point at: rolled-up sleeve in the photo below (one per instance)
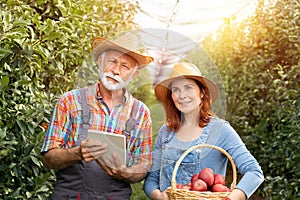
(245, 162)
(141, 146)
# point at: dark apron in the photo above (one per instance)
(86, 180)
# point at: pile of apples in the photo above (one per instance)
(205, 181)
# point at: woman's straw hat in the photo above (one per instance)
(127, 43)
(185, 70)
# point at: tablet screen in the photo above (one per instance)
(115, 142)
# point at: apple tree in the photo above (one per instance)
(42, 44)
(258, 58)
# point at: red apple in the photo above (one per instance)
(219, 188)
(207, 175)
(194, 177)
(228, 190)
(219, 179)
(179, 186)
(187, 186)
(199, 185)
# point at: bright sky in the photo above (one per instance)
(190, 17)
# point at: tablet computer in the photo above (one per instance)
(115, 144)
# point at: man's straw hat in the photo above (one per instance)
(185, 70)
(127, 43)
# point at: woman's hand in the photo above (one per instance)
(237, 194)
(158, 195)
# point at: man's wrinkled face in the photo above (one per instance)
(116, 69)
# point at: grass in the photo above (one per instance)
(138, 192)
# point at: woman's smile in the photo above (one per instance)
(186, 95)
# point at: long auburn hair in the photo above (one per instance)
(174, 117)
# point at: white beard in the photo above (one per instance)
(110, 85)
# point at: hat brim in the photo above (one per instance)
(101, 44)
(161, 88)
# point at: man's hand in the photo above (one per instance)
(88, 151)
(92, 149)
(118, 170)
(115, 168)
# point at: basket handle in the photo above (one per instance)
(233, 184)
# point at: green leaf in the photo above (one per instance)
(4, 51)
(53, 36)
(2, 133)
(22, 125)
(35, 160)
(4, 82)
(62, 9)
(28, 195)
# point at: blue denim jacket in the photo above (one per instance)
(165, 155)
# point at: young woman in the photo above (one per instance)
(187, 98)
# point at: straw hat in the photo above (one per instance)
(185, 70)
(127, 43)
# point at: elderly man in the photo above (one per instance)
(83, 172)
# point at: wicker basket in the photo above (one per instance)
(175, 193)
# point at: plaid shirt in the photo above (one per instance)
(66, 121)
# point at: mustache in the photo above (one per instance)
(111, 75)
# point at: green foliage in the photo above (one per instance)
(138, 192)
(42, 45)
(259, 62)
